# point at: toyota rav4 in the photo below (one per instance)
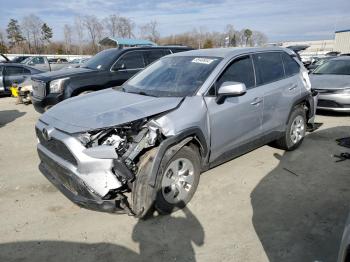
(143, 145)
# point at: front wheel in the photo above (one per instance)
(295, 131)
(176, 182)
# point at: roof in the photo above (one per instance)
(126, 41)
(342, 31)
(225, 52)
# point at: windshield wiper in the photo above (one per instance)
(139, 93)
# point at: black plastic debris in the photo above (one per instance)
(344, 141)
(342, 157)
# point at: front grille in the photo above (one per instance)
(65, 177)
(39, 88)
(56, 147)
(328, 103)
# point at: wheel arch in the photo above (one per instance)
(192, 136)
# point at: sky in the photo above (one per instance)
(280, 20)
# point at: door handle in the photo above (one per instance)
(256, 101)
(293, 87)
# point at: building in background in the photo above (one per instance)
(125, 42)
(342, 41)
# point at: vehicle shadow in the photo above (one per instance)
(160, 238)
(300, 207)
(7, 116)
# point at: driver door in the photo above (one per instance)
(236, 122)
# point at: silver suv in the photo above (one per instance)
(144, 144)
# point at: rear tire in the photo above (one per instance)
(295, 131)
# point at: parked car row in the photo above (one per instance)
(144, 144)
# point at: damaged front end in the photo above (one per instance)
(96, 169)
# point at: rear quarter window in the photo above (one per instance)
(268, 67)
(291, 67)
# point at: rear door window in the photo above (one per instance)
(240, 70)
(268, 67)
(291, 67)
(153, 55)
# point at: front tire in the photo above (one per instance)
(176, 182)
(295, 131)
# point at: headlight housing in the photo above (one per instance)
(56, 86)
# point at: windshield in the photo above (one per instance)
(172, 76)
(334, 67)
(322, 61)
(102, 61)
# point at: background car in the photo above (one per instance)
(109, 68)
(318, 61)
(332, 81)
(11, 74)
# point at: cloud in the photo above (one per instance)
(280, 20)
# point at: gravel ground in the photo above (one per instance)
(268, 205)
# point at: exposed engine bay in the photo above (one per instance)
(124, 144)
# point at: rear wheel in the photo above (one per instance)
(295, 131)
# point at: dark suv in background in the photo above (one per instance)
(109, 68)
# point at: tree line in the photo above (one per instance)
(33, 35)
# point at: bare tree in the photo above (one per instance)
(150, 31)
(125, 27)
(94, 28)
(3, 48)
(259, 38)
(31, 25)
(67, 32)
(112, 25)
(79, 30)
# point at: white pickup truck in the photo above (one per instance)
(44, 64)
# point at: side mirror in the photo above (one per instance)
(230, 89)
(120, 68)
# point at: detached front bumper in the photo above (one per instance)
(82, 179)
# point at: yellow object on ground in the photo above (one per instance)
(14, 91)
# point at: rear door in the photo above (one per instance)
(126, 66)
(276, 87)
(237, 121)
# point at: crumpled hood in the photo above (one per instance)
(105, 108)
(329, 81)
